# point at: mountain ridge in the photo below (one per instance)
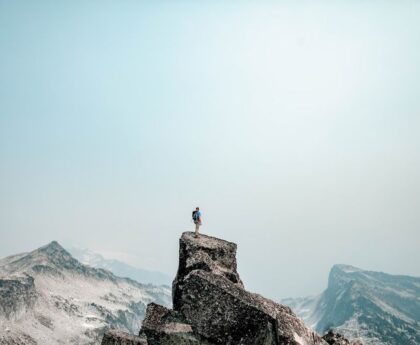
(49, 297)
(378, 307)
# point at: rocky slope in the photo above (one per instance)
(48, 297)
(379, 308)
(212, 307)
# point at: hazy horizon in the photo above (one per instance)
(294, 126)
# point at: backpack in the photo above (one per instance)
(194, 216)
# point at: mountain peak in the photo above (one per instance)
(53, 245)
(53, 254)
(53, 249)
(346, 268)
(47, 294)
(342, 274)
(374, 306)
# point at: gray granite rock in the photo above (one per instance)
(209, 293)
(204, 253)
(212, 307)
(227, 314)
(114, 337)
(17, 295)
(163, 326)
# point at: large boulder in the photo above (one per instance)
(115, 337)
(163, 326)
(204, 253)
(227, 314)
(210, 295)
(212, 307)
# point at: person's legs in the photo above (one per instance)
(197, 225)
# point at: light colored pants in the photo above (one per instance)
(197, 226)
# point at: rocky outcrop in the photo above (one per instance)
(115, 337)
(212, 307)
(17, 295)
(333, 338)
(163, 326)
(206, 254)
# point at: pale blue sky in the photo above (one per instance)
(293, 125)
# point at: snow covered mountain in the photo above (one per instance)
(48, 297)
(379, 308)
(120, 268)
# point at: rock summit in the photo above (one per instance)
(212, 307)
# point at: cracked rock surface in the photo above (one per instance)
(212, 307)
(115, 337)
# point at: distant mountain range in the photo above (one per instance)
(120, 268)
(379, 308)
(49, 297)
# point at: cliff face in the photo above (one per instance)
(212, 307)
(17, 296)
(378, 308)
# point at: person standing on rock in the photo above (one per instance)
(196, 216)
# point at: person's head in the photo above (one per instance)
(197, 208)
